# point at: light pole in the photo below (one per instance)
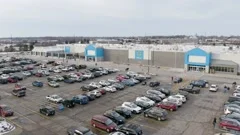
(148, 58)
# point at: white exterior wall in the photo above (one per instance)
(231, 57)
(147, 54)
(131, 53)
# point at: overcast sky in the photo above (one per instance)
(118, 17)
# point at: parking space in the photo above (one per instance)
(194, 117)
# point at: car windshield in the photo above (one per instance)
(108, 122)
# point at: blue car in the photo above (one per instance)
(37, 84)
(128, 82)
(80, 99)
(69, 80)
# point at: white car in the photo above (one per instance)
(132, 107)
(158, 93)
(236, 94)
(59, 78)
(134, 80)
(73, 75)
(54, 98)
(104, 83)
(93, 84)
(117, 133)
(5, 76)
(45, 72)
(110, 89)
(26, 73)
(213, 88)
(178, 97)
(231, 109)
(88, 75)
(113, 80)
(57, 71)
(96, 93)
(145, 99)
(177, 102)
(5, 127)
(71, 68)
(65, 69)
(131, 73)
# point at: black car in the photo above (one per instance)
(3, 81)
(140, 78)
(118, 86)
(49, 111)
(156, 113)
(115, 117)
(50, 62)
(123, 111)
(82, 66)
(190, 89)
(164, 90)
(79, 131)
(198, 83)
(19, 78)
(153, 97)
(154, 84)
(97, 74)
(90, 96)
(177, 80)
(142, 104)
(68, 103)
(130, 129)
(69, 80)
(87, 88)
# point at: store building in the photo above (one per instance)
(94, 53)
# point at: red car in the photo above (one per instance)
(5, 111)
(19, 87)
(230, 124)
(102, 91)
(104, 123)
(78, 73)
(38, 74)
(12, 80)
(167, 106)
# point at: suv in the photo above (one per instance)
(130, 129)
(19, 93)
(80, 99)
(154, 84)
(123, 111)
(103, 123)
(68, 103)
(190, 89)
(115, 117)
(48, 111)
(156, 113)
(132, 107)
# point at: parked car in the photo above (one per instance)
(110, 89)
(158, 93)
(156, 113)
(59, 78)
(142, 104)
(134, 80)
(79, 131)
(132, 107)
(104, 123)
(232, 99)
(5, 111)
(190, 89)
(89, 75)
(69, 103)
(168, 106)
(80, 99)
(233, 115)
(230, 109)
(154, 84)
(230, 124)
(104, 83)
(54, 98)
(117, 133)
(93, 84)
(96, 93)
(112, 80)
(130, 129)
(146, 100)
(131, 74)
(178, 97)
(198, 83)
(163, 90)
(37, 84)
(18, 86)
(56, 70)
(123, 111)
(3, 81)
(128, 82)
(12, 80)
(154, 97)
(140, 78)
(53, 84)
(177, 80)
(5, 76)
(102, 91)
(175, 101)
(87, 88)
(118, 86)
(38, 74)
(115, 117)
(213, 88)
(47, 110)
(19, 93)
(69, 80)
(17, 77)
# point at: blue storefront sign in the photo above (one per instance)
(67, 49)
(139, 54)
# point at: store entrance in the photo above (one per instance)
(196, 68)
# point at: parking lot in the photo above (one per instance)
(194, 117)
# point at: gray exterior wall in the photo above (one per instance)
(235, 67)
(168, 59)
(143, 62)
(117, 56)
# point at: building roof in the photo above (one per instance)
(223, 62)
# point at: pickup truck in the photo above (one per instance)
(54, 98)
(190, 89)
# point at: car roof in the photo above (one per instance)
(100, 117)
